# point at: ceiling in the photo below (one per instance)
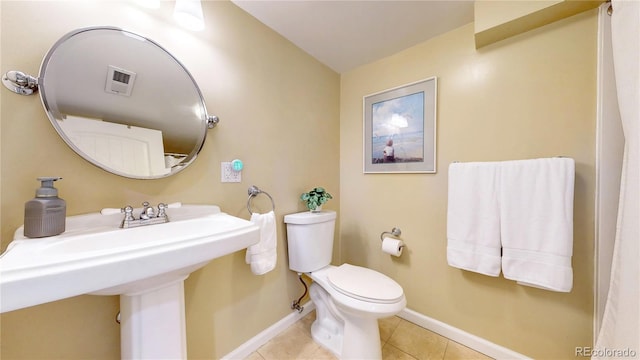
(346, 34)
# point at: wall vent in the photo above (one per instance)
(119, 81)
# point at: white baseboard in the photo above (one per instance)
(469, 340)
(253, 344)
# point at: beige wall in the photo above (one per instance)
(498, 20)
(279, 112)
(489, 13)
(529, 96)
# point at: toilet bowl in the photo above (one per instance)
(349, 299)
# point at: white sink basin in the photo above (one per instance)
(95, 256)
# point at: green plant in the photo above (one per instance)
(315, 197)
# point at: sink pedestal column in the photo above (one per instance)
(152, 323)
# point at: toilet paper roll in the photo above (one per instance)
(392, 246)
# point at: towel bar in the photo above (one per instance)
(558, 156)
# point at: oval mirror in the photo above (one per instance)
(123, 102)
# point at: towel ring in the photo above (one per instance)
(254, 191)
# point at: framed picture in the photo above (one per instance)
(400, 129)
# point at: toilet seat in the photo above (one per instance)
(364, 284)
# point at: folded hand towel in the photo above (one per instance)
(536, 212)
(473, 222)
(262, 256)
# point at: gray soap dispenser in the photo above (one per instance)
(46, 214)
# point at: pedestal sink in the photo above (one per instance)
(146, 266)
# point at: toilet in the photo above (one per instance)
(349, 299)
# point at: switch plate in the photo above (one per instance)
(227, 174)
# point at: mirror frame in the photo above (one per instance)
(207, 121)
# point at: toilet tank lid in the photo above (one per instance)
(309, 217)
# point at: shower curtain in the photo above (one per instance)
(619, 335)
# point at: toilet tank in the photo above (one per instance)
(310, 240)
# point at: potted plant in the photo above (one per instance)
(315, 198)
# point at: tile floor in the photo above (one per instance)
(401, 340)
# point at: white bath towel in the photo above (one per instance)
(473, 222)
(536, 212)
(263, 255)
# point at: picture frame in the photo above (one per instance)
(400, 129)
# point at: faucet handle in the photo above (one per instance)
(161, 210)
(128, 213)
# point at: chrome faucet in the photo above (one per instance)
(147, 216)
(147, 211)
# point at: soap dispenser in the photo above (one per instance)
(45, 215)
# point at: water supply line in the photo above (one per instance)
(295, 305)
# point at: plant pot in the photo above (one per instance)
(318, 209)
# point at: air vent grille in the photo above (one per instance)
(119, 81)
(121, 77)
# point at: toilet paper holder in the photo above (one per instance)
(395, 232)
